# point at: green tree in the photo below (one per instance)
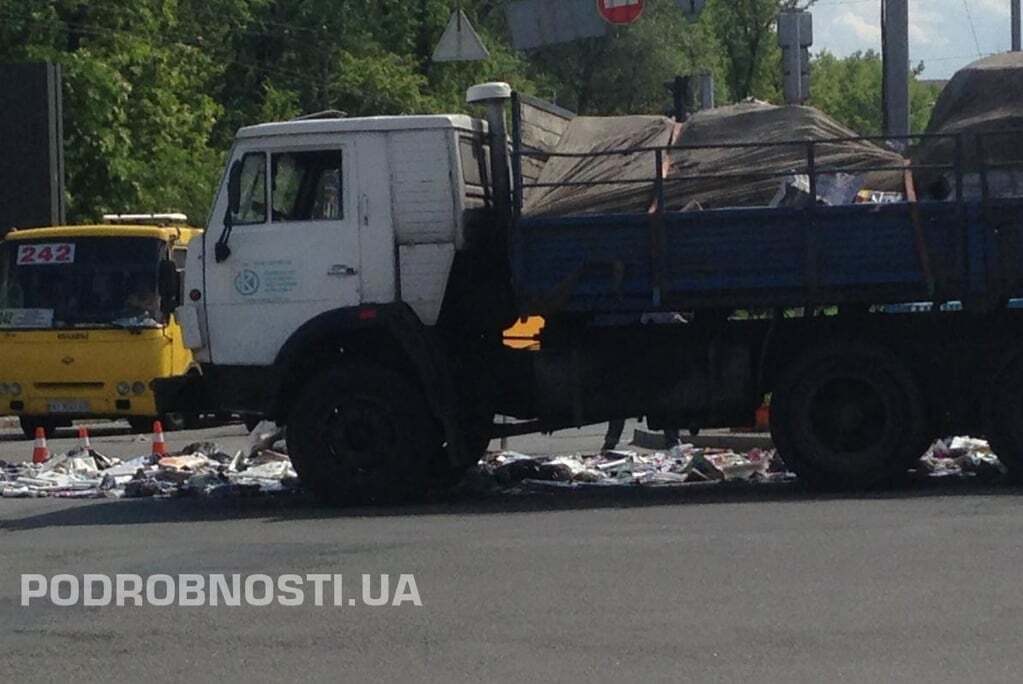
(747, 33)
(850, 90)
(625, 71)
(137, 103)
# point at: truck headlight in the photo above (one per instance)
(4, 389)
(138, 388)
(123, 388)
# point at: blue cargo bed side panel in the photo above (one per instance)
(749, 256)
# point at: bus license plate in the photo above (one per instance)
(69, 406)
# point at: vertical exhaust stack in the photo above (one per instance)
(495, 96)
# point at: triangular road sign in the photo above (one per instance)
(460, 42)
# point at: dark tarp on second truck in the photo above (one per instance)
(984, 97)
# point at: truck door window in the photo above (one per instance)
(474, 168)
(252, 208)
(307, 186)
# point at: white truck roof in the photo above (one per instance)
(369, 123)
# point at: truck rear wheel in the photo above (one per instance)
(362, 434)
(848, 416)
(1005, 419)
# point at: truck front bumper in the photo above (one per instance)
(220, 389)
(187, 394)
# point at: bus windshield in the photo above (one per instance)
(80, 282)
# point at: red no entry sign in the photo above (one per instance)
(620, 11)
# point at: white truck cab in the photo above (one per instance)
(335, 249)
(331, 213)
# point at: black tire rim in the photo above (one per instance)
(848, 420)
(848, 415)
(362, 437)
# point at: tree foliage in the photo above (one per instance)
(748, 37)
(849, 89)
(155, 89)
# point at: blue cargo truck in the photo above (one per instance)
(356, 275)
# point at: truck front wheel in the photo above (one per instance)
(848, 416)
(362, 434)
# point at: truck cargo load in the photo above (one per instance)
(578, 179)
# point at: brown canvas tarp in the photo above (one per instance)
(761, 123)
(749, 122)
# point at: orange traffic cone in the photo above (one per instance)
(40, 453)
(159, 443)
(83, 437)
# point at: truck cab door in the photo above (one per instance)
(294, 247)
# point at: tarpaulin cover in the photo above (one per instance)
(750, 122)
(985, 96)
(591, 134)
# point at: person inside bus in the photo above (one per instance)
(142, 296)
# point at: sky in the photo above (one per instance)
(944, 34)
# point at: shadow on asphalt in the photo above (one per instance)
(302, 506)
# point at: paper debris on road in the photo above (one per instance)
(204, 469)
(200, 469)
(684, 464)
(961, 456)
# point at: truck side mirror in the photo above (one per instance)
(170, 286)
(234, 187)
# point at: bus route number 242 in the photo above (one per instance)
(44, 254)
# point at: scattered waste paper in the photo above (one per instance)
(961, 456)
(204, 469)
(200, 469)
(684, 464)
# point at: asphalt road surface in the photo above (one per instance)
(709, 583)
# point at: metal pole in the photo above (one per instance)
(680, 97)
(706, 91)
(1015, 26)
(895, 21)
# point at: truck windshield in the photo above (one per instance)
(80, 282)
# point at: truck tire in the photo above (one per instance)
(1005, 419)
(444, 474)
(362, 434)
(848, 416)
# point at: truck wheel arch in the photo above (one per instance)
(371, 332)
(389, 335)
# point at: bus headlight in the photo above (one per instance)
(138, 388)
(4, 389)
(123, 388)
(15, 389)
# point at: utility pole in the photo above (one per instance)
(895, 48)
(1015, 26)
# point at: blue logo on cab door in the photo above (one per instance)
(246, 282)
